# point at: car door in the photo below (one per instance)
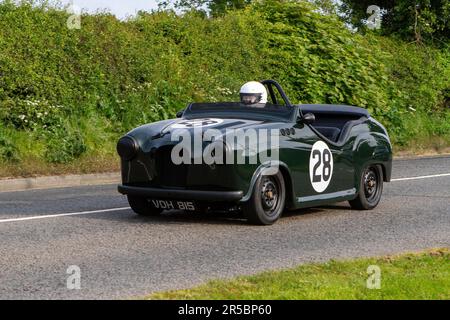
(321, 170)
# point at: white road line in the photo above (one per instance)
(62, 215)
(422, 177)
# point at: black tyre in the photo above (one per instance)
(267, 201)
(142, 207)
(370, 189)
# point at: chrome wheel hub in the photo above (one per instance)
(370, 183)
(269, 195)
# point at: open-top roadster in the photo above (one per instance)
(308, 155)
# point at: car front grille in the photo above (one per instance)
(169, 174)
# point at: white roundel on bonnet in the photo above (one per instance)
(196, 123)
(320, 166)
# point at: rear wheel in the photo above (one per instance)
(142, 207)
(267, 201)
(370, 189)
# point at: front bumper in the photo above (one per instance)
(173, 194)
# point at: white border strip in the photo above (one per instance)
(62, 215)
(326, 196)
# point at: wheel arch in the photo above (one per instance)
(373, 149)
(272, 167)
(288, 186)
(386, 171)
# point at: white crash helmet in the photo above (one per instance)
(253, 92)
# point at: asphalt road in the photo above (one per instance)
(121, 255)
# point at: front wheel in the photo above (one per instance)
(370, 189)
(267, 201)
(142, 207)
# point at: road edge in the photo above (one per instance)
(68, 181)
(50, 182)
(421, 157)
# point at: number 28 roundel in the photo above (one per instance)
(320, 166)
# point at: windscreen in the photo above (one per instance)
(258, 111)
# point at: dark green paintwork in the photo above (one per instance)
(367, 143)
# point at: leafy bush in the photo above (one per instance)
(28, 114)
(320, 60)
(65, 146)
(8, 151)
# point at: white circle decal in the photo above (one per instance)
(320, 166)
(196, 123)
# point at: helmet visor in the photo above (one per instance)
(251, 98)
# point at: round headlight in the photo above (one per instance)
(127, 148)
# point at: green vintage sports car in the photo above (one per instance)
(313, 155)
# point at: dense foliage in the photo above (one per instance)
(418, 20)
(214, 8)
(70, 93)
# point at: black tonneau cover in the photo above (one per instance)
(263, 112)
(334, 109)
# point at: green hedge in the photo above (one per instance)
(67, 93)
(319, 60)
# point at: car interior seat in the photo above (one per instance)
(331, 133)
(334, 122)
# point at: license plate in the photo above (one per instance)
(173, 205)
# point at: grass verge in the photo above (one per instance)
(424, 275)
(36, 167)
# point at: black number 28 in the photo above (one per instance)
(325, 157)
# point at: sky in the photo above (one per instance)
(121, 8)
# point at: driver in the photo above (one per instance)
(253, 92)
